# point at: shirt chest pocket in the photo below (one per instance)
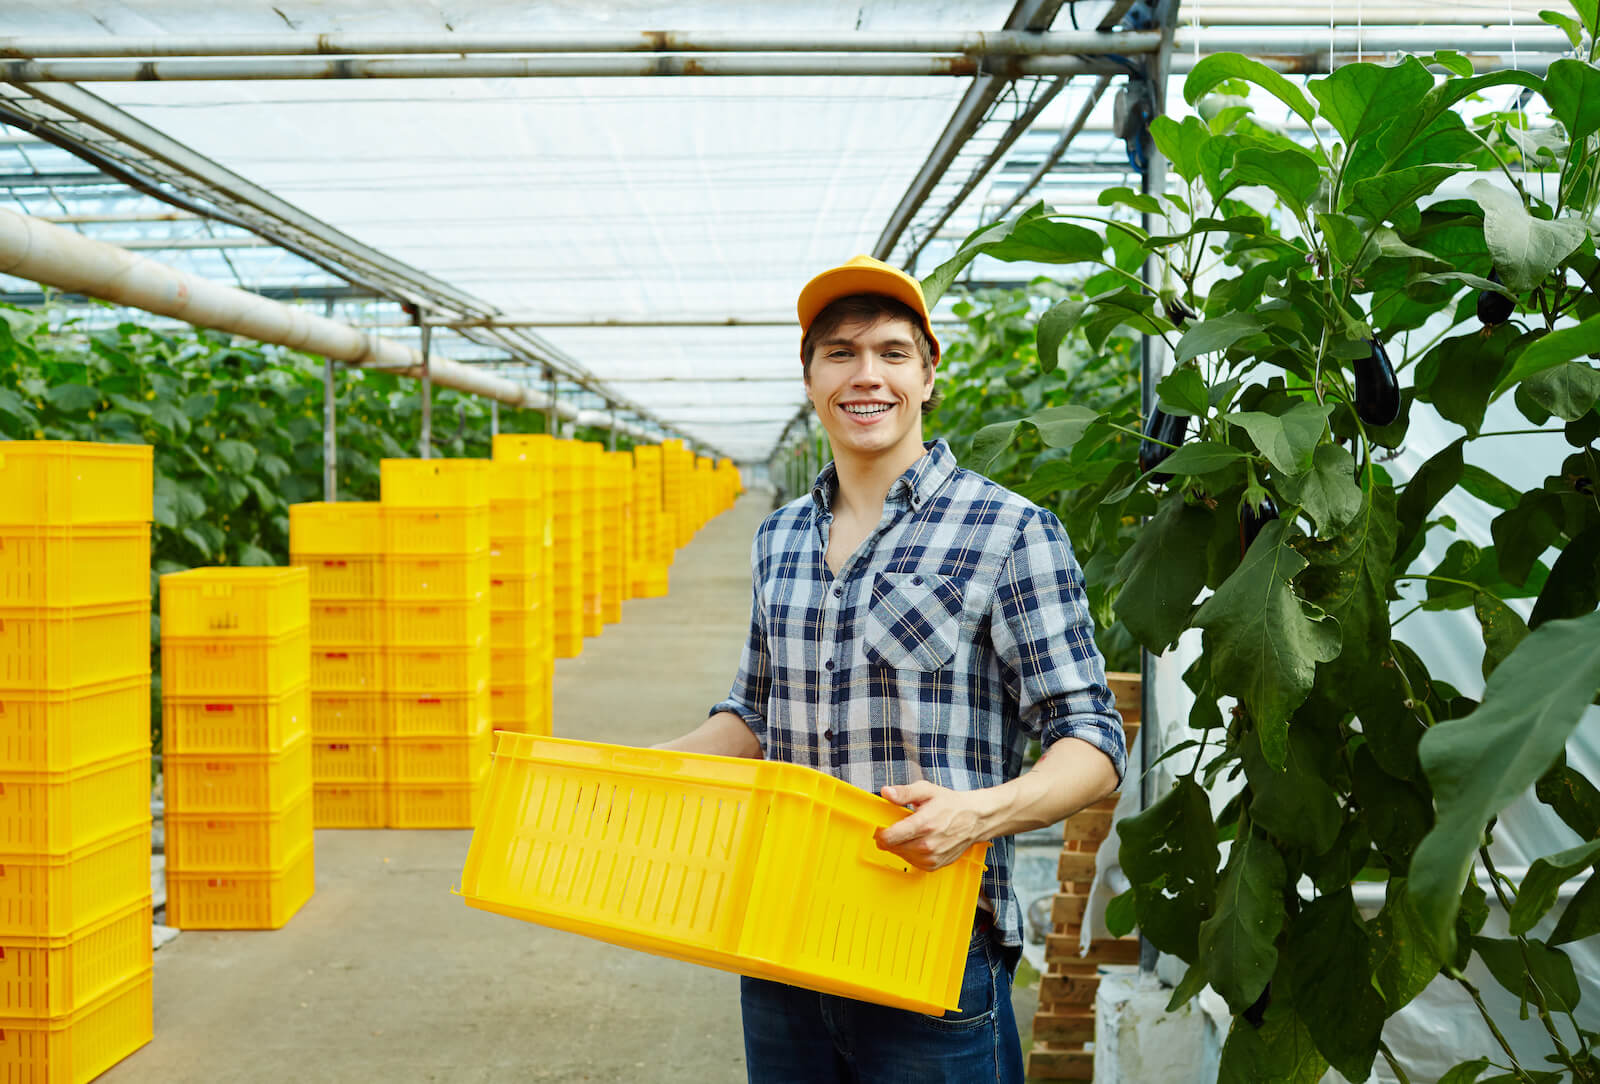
(913, 621)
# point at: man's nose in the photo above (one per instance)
(868, 369)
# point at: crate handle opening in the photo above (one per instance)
(873, 855)
(219, 707)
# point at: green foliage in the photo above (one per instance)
(1342, 758)
(236, 429)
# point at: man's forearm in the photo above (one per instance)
(1071, 775)
(724, 734)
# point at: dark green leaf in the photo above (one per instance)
(1126, 307)
(1503, 629)
(1398, 812)
(1361, 98)
(1063, 426)
(1221, 67)
(1435, 478)
(1169, 853)
(1349, 580)
(1328, 492)
(1292, 175)
(1573, 798)
(1262, 640)
(1295, 803)
(1568, 391)
(1327, 952)
(1379, 199)
(1163, 572)
(1581, 918)
(1552, 350)
(1572, 88)
(236, 455)
(1460, 374)
(1202, 457)
(990, 443)
(1237, 942)
(1216, 334)
(1122, 914)
(1280, 1050)
(1127, 197)
(1522, 534)
(1288, 440)
(73, 398)
(1404, 961)
(1054, 327)
(1522, 970)
(1183, 391)
(1478, 764)
(1573, 587)
(1537, 892)
(1466, 1072)
(1491, 491)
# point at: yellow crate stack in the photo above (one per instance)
(677, 475)
(235, 666)
(566, 523)
(521, 625)
(436, 655)
(649, 569)
(589, 474)
(729, 484)
(703, 485)
(616, 499)
(340, 545)
(75, 907)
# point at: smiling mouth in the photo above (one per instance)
(866, 410)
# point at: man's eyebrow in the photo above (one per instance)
(906, 343)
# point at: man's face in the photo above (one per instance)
(868, 383)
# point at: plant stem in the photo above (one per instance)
(1458, 583)
(1516, 433)
(1483, 1011)
(1539, 1001)
(1394, 1064)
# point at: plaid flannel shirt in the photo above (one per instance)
(956, 633)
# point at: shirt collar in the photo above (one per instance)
(914, 488)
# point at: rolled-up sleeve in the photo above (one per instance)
(1044, 635)
(753, 683)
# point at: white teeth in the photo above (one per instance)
(867, 410)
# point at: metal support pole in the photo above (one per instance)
(427, 391)
(494, 418)
(612, 442)
(330, 412)
(550, 407)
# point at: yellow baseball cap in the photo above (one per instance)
(864, 275)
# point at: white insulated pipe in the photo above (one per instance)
(66, 260)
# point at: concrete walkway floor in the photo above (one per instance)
(385, 976)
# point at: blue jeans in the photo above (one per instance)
(794, 1036)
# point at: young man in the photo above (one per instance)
(914, 626)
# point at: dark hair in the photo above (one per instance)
(868, 309)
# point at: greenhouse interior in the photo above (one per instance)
(399, 406)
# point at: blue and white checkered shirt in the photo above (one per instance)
(956, 633)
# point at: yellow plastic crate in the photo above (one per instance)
(60, 731)
(55, 483)
(513, 629)
(435, 805)
(74, 566)
(523, 708)
(433, 483)
(521, 519)
(235, 724)
(347, 760)
(237, 783)
(759, 867)
(351, 805)
(449, 531)
(202, 666)
(436, 579)
(238, 899)
(56, 895)
(346, 669)
(343, 527)
(513, 593)
(82, 1045)
(54, 976)
(249, 842)
(513, 478)
(52, 813)
(515, 666)
(436, 670)
(66, 648)
(343, 577)
(516, 557)
(346, 715)
(650, 586)
(438, 760)
(435, 714)
(436, 624)
(346, 621)
(235, 602)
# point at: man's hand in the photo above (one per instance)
(943, 824)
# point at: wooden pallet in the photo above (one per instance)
(1064, 1026)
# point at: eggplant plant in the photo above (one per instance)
(1314, 297)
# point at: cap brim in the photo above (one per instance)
(830, 286)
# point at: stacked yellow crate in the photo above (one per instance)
(589, 475)
(436, 654)
(520, 624)
(74, 757)
(566, 523)
(677, 471)
(613, 534)
(649, 572)
(341, 548)
(238, 778)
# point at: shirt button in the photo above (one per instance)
(828, 665)
(828, 734)
(917, 580)
(838, 592)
